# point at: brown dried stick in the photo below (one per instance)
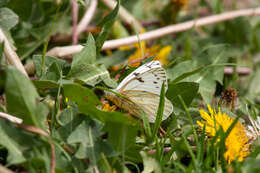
(124, 15)
(10, 54)
(75, 9)
(157, 33)
(32, 129)
(86, 19)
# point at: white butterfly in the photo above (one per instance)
(143, 87)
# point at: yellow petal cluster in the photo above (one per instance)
(106, 107)
(236, 143)
(160, 53)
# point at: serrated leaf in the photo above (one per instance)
(8, 19)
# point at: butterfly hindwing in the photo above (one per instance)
(149, 102)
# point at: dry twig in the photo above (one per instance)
(10, 118)
(157, 33)
(75, 10)
(32, 129)
(239, 70)
(10, 54)
(84, 22)
(124, 15)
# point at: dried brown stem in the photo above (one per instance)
(5, 170)
(239, 70)
(36, 130)
(75, 9)
(86, 19)
(124, 15)
(10, 54)
(204, 21)
(11, 118)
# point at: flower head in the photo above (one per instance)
(236, 143)
(106, 107)
(160, 53)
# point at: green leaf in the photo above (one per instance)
(87, 103)
(94, 74)
(121, 136)
(187, 74)
(117, 58)
(15, 152)
(8, 19)
(86, 134)
(85, 71)
(49, 60)
(187, 90)
(44, 84)
(53, 73)
(21, 97)
(81, 95)
(107, 24)
(159, 112)
(86, 57)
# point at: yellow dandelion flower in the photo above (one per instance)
(137, 54)
(106, 107)
(159, 53)
(236, 143)
(163, 54)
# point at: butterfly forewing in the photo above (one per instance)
(149, 77)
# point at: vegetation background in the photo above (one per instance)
(56, 58)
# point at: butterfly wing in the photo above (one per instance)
(149, 102)
(149, 77)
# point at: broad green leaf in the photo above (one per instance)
(106, 24)
(44, 84)
(8, 19)
(185, 75)
(94, 74)
(86, 57)
(121, 136)
(15, 152)
(187, 90)
(53, 73)
(86, 135)
(116, 58)
(21, 97)
(85, 71)
(49, 60)
(87, 103)
(205, 69)
(81, 95)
